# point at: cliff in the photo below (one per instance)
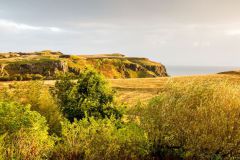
(46, 64)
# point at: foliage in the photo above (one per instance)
(40, 99)
(46, 63)
(24, 133)
(101, 139)
(194, 120)
(91, 95)
(191, 118)
(23, 77)
(2, 148)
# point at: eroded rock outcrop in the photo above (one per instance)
(110, 65)
(45, 68)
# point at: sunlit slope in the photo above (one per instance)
(47, 65)
(133, 90)
(136, 89)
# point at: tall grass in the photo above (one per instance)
(194, 120)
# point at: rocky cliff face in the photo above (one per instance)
(44, 68)
(47, 65)
(149, 70)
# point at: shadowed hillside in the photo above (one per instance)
(46, 65)
(236, 72)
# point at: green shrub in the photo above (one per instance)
(101, 139)
(194, 120)
(2, 147)
(5, 78)
(40, 99)
(37, 77)
(24, 133)
(91, 95)
(27, 77)
(17, 77)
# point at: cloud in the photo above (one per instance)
(11, 26)
(233, 32)
(202, 44)
(55, 29)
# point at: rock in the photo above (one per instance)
(47, 63)
(45, 68)
(159, 70)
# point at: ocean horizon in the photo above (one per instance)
(179, 70)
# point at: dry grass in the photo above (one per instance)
(135, 89)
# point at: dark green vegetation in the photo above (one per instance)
(48, 64)
(188, 119)
(90, 96)
(237, 72)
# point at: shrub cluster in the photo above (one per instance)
(101, 139)
(39, 97)
(24, 133)
(23, 77)
(81, 120)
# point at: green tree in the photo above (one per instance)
(90, 96)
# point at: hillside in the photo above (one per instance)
(235, 72)
(46, 65)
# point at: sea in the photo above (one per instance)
(196, 70)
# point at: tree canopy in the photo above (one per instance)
(91, 96)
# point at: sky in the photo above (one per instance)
(173, 32)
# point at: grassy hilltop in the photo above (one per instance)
(46, 65)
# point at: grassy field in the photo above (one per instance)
(133, 90)
(141, 89)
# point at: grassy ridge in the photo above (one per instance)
(48, 64)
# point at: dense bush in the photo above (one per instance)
(90, 96)
(6, 78)
(18, 77)
(40, 99)
(194, 120)
(37, 77)
(23, 77)
(101, 139)
(23, 133)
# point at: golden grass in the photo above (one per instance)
(135, 89)
(141, 89)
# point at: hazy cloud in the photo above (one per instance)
(233, 32)
(6, 25)
(189, 32)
